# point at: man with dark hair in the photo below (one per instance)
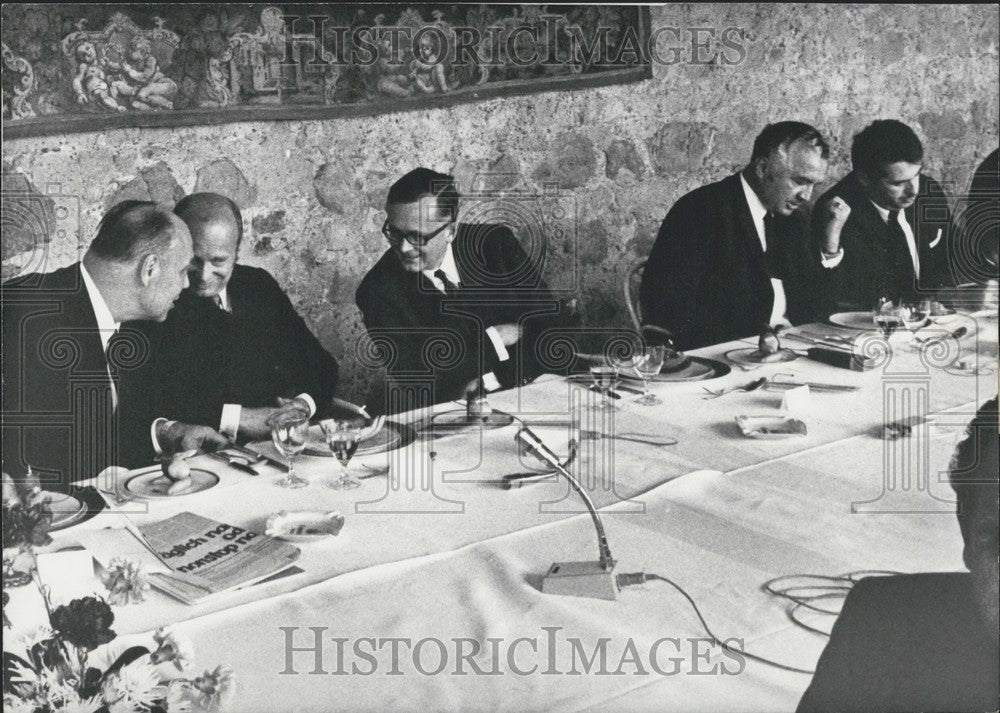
(926, 642)
(884, 229)
(461, 305)
(234, 350)
(75, 400)
(730, 258)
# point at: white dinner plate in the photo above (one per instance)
(154, 484)
(854, 320)
(65, 510)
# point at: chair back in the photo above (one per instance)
(632, 303)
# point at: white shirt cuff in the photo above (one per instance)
(152, 434)
(229, 424)
(490, 382)
(309, 401)
(831, 262)
(498, 345)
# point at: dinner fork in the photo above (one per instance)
(752, 386)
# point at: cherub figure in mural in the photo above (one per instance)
(426, 71)
(393, 76)
(142, 79)
(91, 83)
(213, 91)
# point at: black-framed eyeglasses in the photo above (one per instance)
(416, 239)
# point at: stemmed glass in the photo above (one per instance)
(647, 363)
(886, 317)
(343, 436)
(605, 379)
(289, 432)
(914, 315)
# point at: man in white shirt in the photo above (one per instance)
(234, 351)
(458, 306)
(884, 230)
(75, 396)
(730, 259)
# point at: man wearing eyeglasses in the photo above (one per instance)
(461, 305)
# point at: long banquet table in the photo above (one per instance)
(435, 553)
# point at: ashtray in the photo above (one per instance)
(303, 525)
(770, 426)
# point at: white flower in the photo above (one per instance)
(214, 690)
(178, 699)
(27, 640)
(132, 688)
(13, 704)
(125, 581)
(172, 647)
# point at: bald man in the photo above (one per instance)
(76, 398)
(234, 349)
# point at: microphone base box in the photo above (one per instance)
(581, 579)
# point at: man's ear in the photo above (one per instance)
(760, 167)
(149, 269)
(864, 180)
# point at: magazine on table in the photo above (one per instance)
(207, 557)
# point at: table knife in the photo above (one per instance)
(233, 463)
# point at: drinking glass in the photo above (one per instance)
(647, 364)
(887, 317)
(343, 436)
(289, 432)
(605, 379)
(913, 314)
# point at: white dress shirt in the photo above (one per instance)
(106, 324)
(450, 269)
(758, 212)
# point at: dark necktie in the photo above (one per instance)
(900, 280)
(771, 253)
(119, 352)
(449, 286)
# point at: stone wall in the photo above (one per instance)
(312, 192)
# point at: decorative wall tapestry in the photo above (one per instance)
(69, 68)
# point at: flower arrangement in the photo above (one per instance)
(51, 669)
(26, 522)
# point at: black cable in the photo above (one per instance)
(640, 577)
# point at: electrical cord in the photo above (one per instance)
(843, 583)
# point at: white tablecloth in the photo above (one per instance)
(717, 513)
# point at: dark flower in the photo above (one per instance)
(85, 623)
(26, 524)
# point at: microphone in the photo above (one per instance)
(575, 579)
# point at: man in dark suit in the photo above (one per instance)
(234, 350)
(885, 229)
(76, 397)
(926, 642)
(459, 306)
(730, 258)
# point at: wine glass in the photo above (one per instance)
(886, 316)
(647, 364)
(289, 432)
(913, 314)
(343, 436)
(605, 379)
